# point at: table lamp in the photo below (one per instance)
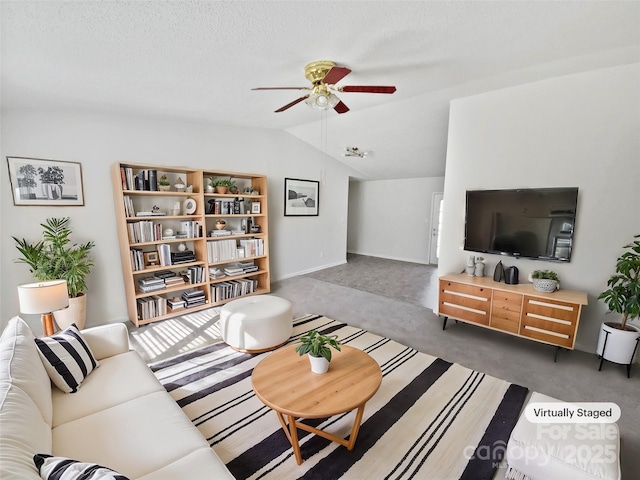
(44, 298)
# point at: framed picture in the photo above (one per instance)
(255, 207)
(301, 197)
(151, 259)
(36, 181)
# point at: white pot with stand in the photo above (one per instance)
(618, 346)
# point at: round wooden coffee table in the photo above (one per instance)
(283, 381)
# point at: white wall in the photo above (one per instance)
(99, 140)
(579, 130)
(391, 218)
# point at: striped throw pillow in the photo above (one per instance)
(57, 468)
(67, 358)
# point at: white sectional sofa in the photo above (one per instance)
(121, 417)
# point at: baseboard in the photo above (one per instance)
(310, 270)
(400, 259)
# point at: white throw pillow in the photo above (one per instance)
(62, 468)
(67, 358)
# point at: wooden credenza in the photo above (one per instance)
(519, 310)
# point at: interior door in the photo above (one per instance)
(436, 222)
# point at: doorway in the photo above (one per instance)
(436, 222)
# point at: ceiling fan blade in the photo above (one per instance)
(289, 105)
(335, 75)
(341, 107)
(281, 88)
(368, 89)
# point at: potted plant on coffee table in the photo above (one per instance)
(317, 348)
(618, 341)
(55, 258)
(545, 281)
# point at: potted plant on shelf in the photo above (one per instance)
(618, 341)
(53, 258)
(545, 281)
(163, 184)
(224, 184)
(317, 348)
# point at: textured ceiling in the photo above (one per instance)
(200, 59)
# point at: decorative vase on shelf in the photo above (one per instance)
(545, 285)
(479, 267)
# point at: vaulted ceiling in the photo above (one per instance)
(200, 60)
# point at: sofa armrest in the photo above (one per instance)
(107, 340)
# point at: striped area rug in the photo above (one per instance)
(430, 419)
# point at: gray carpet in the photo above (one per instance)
(575, 377)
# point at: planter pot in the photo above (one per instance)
(76, 313)
(164, 188)
(52, 191)
(620, 344)
(545, 285)
(318, 364)
(221, 189)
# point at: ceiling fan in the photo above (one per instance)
(324, 75)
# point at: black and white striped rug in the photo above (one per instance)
(430, 419)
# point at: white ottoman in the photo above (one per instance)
(562, 451)
(256, 324)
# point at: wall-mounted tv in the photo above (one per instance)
(530, 223)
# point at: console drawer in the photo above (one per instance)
(550, 321)
(465, 302)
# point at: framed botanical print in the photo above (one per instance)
(36, 181)
(301, 197)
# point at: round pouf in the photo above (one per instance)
(256, 324)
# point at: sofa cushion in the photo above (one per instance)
(24, 433)
(57, 468)
(202, 464)
(119, 379)
(135, 438)
(20, 365)
(67, 358)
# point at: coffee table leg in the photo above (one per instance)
(292, 435)
(356, 428)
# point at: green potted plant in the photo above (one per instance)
(164, 185)
(618, 340)
(545, 281)
(224, 184)
(317, 348)
(55, 258)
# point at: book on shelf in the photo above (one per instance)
(164, 252)
(165, 274)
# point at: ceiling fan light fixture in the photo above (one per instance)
(322, 100)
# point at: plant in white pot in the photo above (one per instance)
(317, 348)
(618, 341)
(53, 258)
(545, 281)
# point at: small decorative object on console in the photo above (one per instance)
(545, 281)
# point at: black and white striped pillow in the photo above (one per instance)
(67, 358)
(59, 468)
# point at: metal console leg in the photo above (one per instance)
(444, 323)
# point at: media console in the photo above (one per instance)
(519, 310)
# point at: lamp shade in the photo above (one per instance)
(43, 297)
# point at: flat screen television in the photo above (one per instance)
(529, 223)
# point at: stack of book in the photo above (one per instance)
(174, 281)
(194, 274)
(233, 288)
(149, 284)
(193, 298)
(151, 307)
(175, 303)
(219, 233)
(182, 257)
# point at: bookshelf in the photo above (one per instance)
(174, 259)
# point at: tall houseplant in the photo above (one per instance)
(54, 257)
(623, 297)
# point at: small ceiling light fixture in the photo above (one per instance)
(321, 98)
(354, 152)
